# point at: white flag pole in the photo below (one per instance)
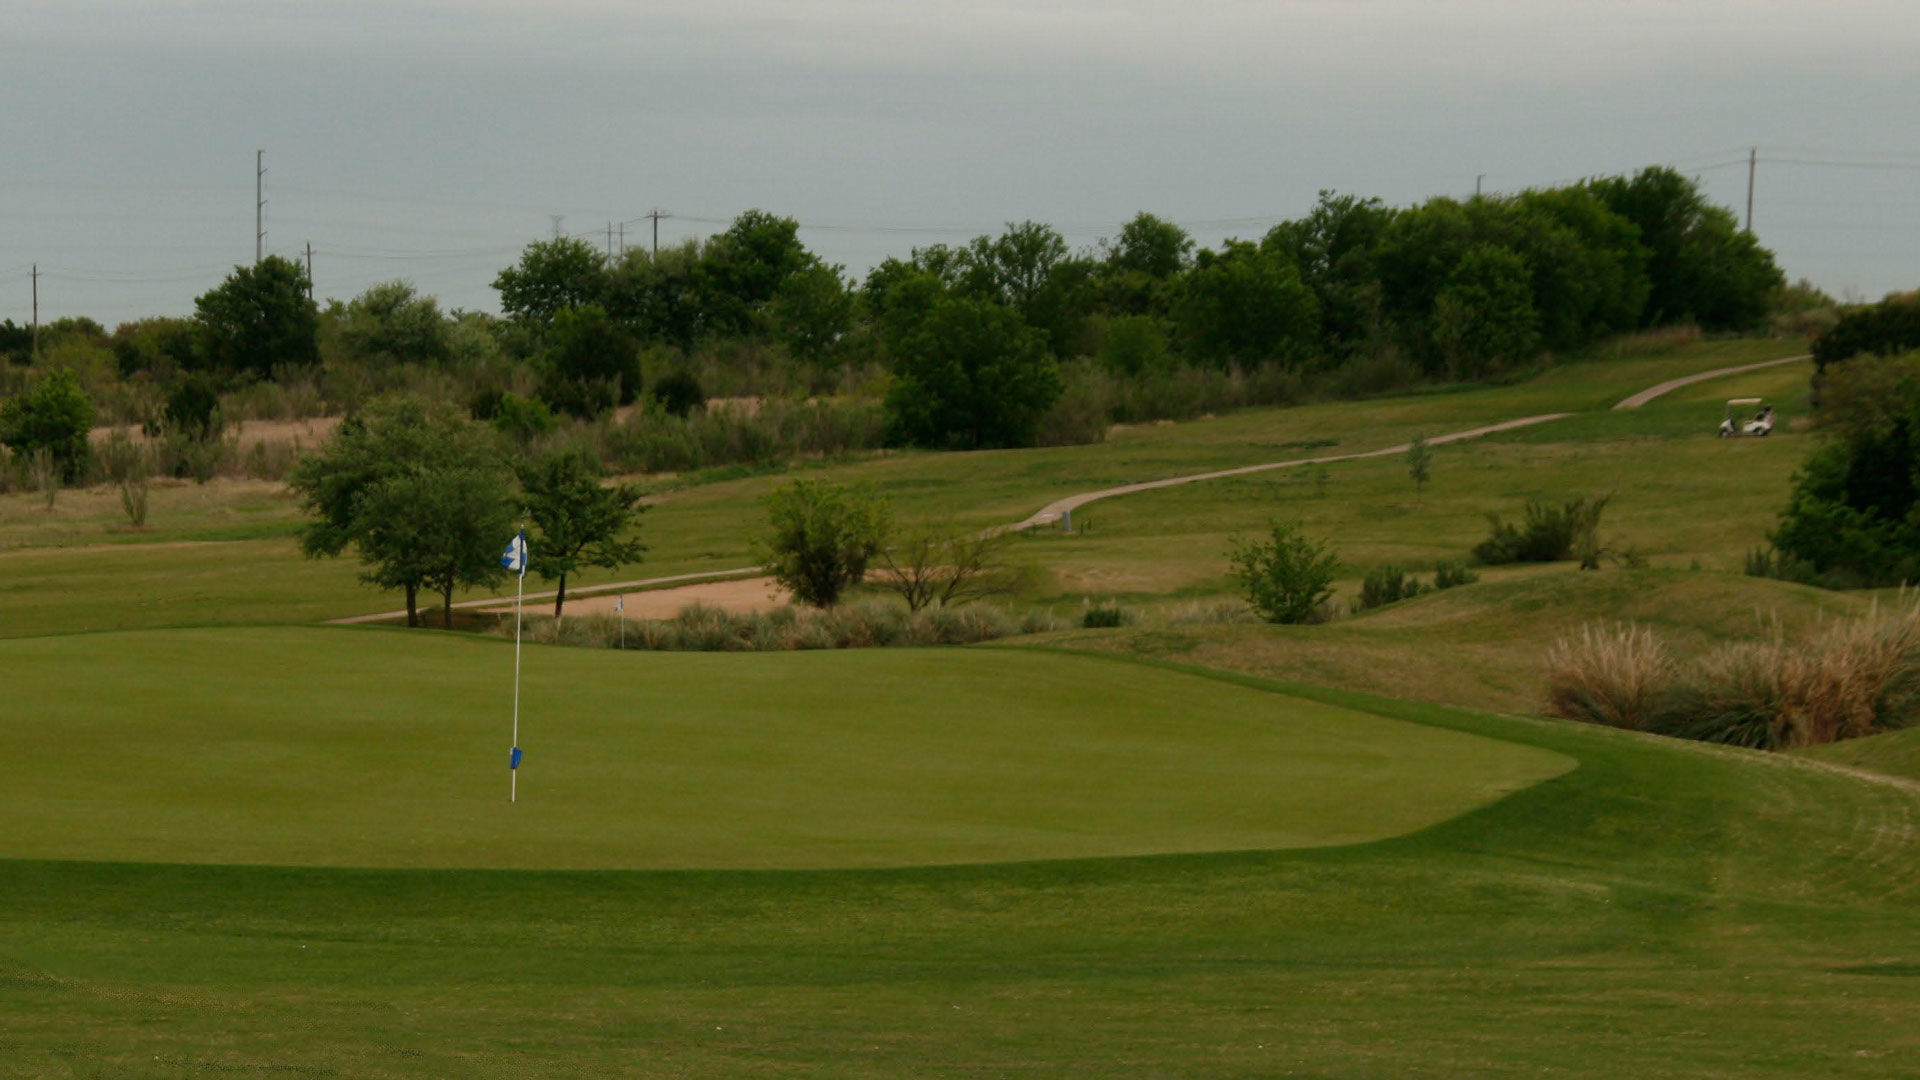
(520, 599)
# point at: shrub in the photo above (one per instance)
(679, 393)
(522, 419)
(1286, 578)
(1102, 616)
(1386, 585)
(821, 536)
(55, 416)
(1450, 574)
(1550, 534)
(193, 407)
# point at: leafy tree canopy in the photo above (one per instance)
(258, 319)
(578, 521)
(419, 490)
(969, 374)
(54, 415)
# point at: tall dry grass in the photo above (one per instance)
(1852, 678)
(1615, 675)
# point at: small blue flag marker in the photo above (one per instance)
(513, 759)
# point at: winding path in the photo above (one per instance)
(1059, 508)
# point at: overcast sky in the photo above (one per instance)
(430, 140)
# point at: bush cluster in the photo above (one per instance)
(1854, 678)
(1884, 329)
(1550, 533)
(862, 624)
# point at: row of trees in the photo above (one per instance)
(974, 334)
(972, 344)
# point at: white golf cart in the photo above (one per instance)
(1761, 423)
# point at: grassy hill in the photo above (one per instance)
(1482, 645)
(1896, 753)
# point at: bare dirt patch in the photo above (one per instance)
(747, 595)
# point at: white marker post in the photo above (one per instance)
(516, 559)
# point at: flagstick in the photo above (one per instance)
(621, 614)
(513, 782)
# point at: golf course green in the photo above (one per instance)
(389, 749)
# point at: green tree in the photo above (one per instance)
(1419, 464)
(590, 363)
(419, 490)
(1854, 513)
(821, 537)
(1156, 249)
(390, 323)
(1136, 345)
(1701, 266)
(1483, 318)
(552, 276)
(1246, 306)
(969, 374)
(578, 521)
(1334, 247)
(1287, 578)
(258, 319)
(743, 269)
(811, 310)
(54, 416)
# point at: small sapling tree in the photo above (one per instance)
(934, 564)
(1419, 466)
(578, 522)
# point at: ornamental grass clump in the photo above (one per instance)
(1856, 677)
(1616, 675)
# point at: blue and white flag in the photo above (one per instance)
(515, 557)
(513, 759)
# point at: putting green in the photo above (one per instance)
(308, 746)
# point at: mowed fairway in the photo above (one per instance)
(337, 747)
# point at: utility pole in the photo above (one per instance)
(1753, 158)
(309, 271)
(656, 216)
(623, 238)
(1476, 184)
(36, 312)
(259, 204)
(609, 239)
(556, 219)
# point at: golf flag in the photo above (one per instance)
(515, 557)
(513, 759)
(619, 604)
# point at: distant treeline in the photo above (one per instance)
(1002, 341)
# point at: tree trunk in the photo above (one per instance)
(413, 609)
(559, 598)
(446, 613)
